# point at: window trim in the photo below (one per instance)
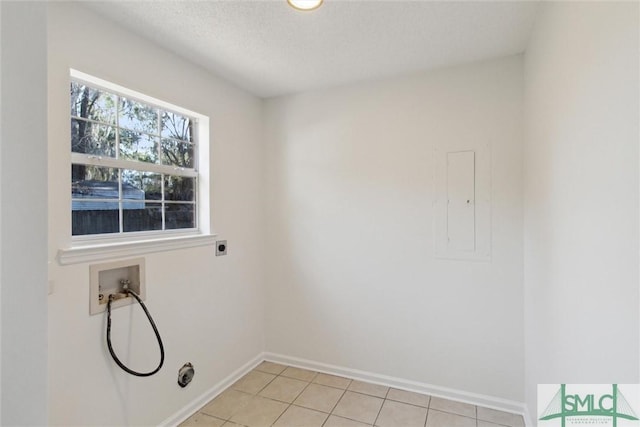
(97, 247)
(126, 249)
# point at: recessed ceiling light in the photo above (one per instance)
(305, 4)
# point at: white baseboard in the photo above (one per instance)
(527, 417)
(403, 384)
(199, 402)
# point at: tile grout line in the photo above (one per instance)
(253, 395)
(410, 404)
(308, 384)
(288, 403)
(337, 402)
(426, 420)
(353, 419)
(341, 396)
(294, 399)
(331, 413)
(475, 411)
(384, 399)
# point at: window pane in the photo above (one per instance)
(92, 138)
(179, 215)
(179, 188)
(141, 216)
(177, 153)
(137, 116)
(93, 104)
(176, 126)
(118, 200)
(90, 217)
(141, 185)
(138, 146)
(93, 182)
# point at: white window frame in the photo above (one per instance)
(95, 247)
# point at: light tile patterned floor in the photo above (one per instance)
(282, 396)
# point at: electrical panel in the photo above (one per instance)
(462, 204)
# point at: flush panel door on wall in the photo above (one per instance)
(461, 235)
(462, 204)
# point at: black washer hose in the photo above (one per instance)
(155, 330)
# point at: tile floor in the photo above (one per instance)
(284, 396)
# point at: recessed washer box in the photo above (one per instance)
(109, 278)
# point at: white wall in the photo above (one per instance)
(581, 196)
(23, 227)
(209, 310)
(352, 278)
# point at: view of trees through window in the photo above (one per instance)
(133, 165)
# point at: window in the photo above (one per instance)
(134, 164)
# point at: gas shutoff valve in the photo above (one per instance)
(185, 374)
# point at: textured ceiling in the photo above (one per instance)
(270, 49)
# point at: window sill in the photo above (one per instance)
(102, 252)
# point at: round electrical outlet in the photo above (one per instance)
(185, 374)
